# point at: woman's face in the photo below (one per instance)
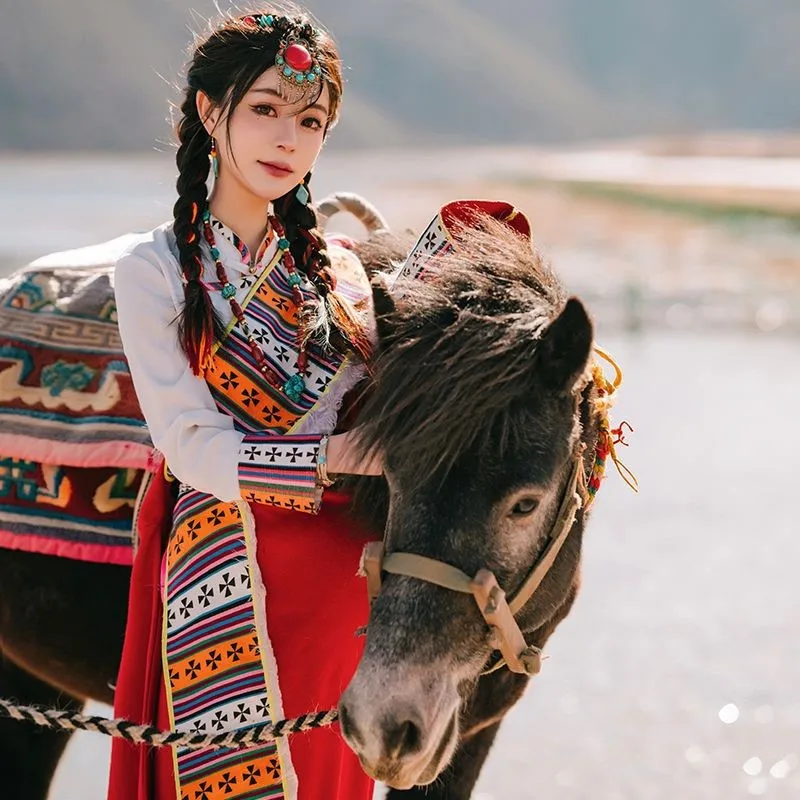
(271, 143)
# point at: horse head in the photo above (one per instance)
(483, 402)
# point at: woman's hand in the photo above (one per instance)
(344, 458)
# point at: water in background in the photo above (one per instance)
(53, 203)
(692, 277)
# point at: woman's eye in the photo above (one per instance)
(264, 110)
(524, 507)
(313, 123)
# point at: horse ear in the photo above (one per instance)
(565, 346)
(383, 306)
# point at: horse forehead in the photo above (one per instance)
(459, 509)
(524, 448)
(439, 511)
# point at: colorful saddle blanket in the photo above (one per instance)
(73, 444)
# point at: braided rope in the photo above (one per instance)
(147, 734)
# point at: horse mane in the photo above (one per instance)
(456, 351)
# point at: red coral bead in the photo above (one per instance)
(298, 58)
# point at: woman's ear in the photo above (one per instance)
(207, 111)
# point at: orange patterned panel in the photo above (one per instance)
(214, 661)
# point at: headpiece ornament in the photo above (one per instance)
(297, 61)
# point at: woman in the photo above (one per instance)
(242, 346)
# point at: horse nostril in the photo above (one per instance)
(348, 726)
(402, 740)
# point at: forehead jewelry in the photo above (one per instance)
(297, 61)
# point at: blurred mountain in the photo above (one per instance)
(88, 75)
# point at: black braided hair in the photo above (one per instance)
(331, 322)
(199, 323)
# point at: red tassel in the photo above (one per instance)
(619, 433)
(200, 350)
(200, 354)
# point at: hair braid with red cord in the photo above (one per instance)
(332, 321)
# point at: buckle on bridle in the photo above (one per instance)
(506, 635)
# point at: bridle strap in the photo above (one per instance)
(491, 599)
(565, 519)
(428, 569)
(497, 611)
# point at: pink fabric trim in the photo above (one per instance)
(97, 553)
(80, 454)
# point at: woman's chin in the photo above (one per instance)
(260, 189)
(270, 188)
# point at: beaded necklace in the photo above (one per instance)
(294, 387)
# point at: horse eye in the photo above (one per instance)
(524, 507)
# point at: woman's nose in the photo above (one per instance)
(286, 133)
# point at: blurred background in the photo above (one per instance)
(656, 149)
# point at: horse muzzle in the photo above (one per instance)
(404, 732)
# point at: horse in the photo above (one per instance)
(488, 411)
(485, 401)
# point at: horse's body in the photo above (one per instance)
(62, 621)
(61, 628)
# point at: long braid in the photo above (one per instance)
(332, 321)
(199, 324)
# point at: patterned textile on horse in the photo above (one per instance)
(73, 444)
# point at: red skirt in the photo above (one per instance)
(315, 604)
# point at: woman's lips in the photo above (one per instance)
(276, 169)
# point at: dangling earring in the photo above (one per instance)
(214, 158)
(302, 194)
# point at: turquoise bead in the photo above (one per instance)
(294, 279)
(287, 71)
(299, 77)
(270, 19)
(294, 388)
(228, 291)
(214, 253)
(206, 216)
(311, 77)
(279, 60)
(283, 244)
